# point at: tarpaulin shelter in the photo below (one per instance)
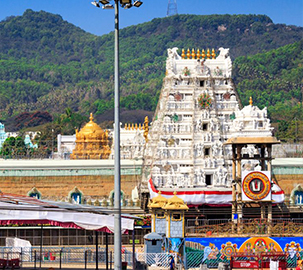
(17, 209)
(21, 210)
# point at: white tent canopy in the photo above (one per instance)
(15, 209)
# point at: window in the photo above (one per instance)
(206, 151)
(208, 179)
(34, 193)
(160, 215)
(154, 242)
(204, 127)
(201, 83)
(176, 217)
(75, 196)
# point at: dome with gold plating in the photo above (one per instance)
(175, 203)
(90, 130)
(91, 142)
(157, 202)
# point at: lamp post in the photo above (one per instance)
(117, 171)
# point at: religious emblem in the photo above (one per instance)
(204, 100)
(227, 249)
(256, 186)
(186, 71)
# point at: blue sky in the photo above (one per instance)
(97, 21)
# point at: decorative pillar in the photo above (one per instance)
(238, 181)
(234, 183)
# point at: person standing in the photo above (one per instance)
(172, 263)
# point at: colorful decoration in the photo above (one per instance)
(145, 221)
(250, 246)
(227, 249)
(175, 118)
(204, 101)
(186, 71)
(218, 71)
(177, 96)
(232, 116)
(256, 186)
(293, 249)
(171, 142)
(260, 244)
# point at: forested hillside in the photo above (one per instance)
(275, 79)
(48, 64)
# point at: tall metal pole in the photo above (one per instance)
(117, 189)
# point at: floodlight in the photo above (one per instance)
(96, 4)
(125, 2)
(108, 6)
(138, 3)
(104, 2)
(127, 6)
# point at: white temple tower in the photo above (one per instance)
(195, 116)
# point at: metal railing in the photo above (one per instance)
(275, 227)
(59, 257)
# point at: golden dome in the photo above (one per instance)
(175, 203)
(91, 128)
(158, 201)
(91, 142)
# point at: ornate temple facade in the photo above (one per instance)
(198, 111)
(91, 142)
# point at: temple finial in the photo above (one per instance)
(193, 55)
(208, 54)
(198, 54)
(213, 54)
(183, 54)
(250, 101)
(188, 54)
(91, 117)
(203, 53)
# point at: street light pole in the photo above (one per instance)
(117, 171)
(117, 188)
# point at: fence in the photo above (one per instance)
(82, 257)
(85, 258)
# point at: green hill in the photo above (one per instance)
(48, 64)
(275, 79)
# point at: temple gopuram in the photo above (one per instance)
(197, 113)
(91, 142)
